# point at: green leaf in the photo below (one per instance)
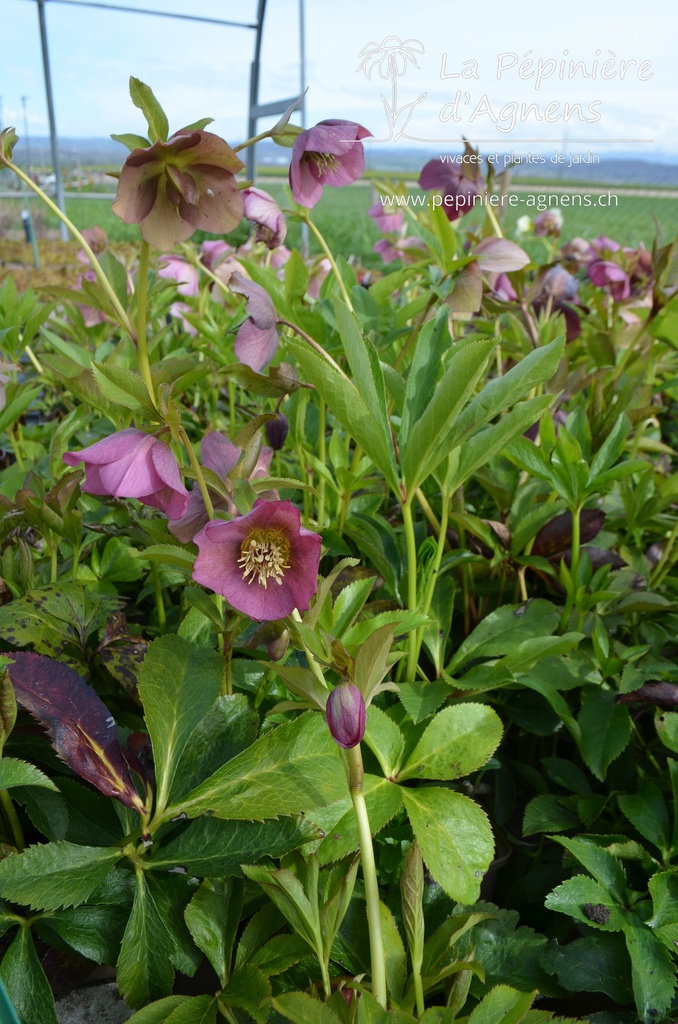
(603, 865)
(605, 729)
(178, 685)
(652, 970)
(349, 603)
(210, 847)
(17, 406)
(427, 442)
(143, 98)
(506, 627)
(7, 704)
(93, 931)
(394, 953)
(19, 773)
(337, 820)
(455, 839)
(343, 398)
(25, 981)
(459, 740)
(178, 1010)
(384, 739)
(144, 969)
(598, 963)
(294, 767)
(132, 141)
(549, 813)
(123, 387)
(249, 989)
(301, 1008)
(502, 1005)
(433, 344)
(646, 810)
(53, 875)
(420, 700)
(213, 916)
(587, 901)
(296, 277)
(279, 954)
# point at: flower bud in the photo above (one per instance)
(345, 712)
(276, 431)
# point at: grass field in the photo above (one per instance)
(341, 216)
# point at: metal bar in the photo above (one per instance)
(254, 91)
(145, 10)
(60, 201)
(279, 107)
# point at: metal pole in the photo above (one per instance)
(254, 90)
(60, 200)
(302, 107)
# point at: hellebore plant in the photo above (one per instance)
(330, 153)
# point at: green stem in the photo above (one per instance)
(440, 549)
(408, 526)
(53, 558)
(322, 456)
(314, 344)
(16, 447)
(356, 774)
(328, 253)
(123, 319)
(574, 566)
(195, 466)
(489, 212)
(159, 601)
(418, 991)
(12, 820)
(630, 349)
(142, 346)
(252, 141)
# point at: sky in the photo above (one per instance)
(515, 87)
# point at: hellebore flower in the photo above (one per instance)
(263, 210)
(550, 222)
(277, 431)
(609, 275)
(257, 340)
(319, 272)
(459, 192)
(221, 456)
(386, 218)
(330, 153)
(173, 188)
(176, 268)
(345, 712)
(212, 253)
(264, 563)
(133, 464)
(97, 239)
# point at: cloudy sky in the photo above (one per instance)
(499, 99)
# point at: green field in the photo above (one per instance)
(341, 215)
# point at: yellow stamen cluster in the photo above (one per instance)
(324, 161)
(264, 556)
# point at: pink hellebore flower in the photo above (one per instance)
(176, 268)
(609, 275)
(173, 188)
(319, 272)
(264, 563)
(133, 464)
(459, 192)
(330, 153)
(549, 222)
(263, 210)
(212, 253)
(97, 239)
(385, 217)
(257, 340)
(221, 456)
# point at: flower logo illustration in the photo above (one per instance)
(391, 58)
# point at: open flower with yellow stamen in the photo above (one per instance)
(330, 153)
(264, 563)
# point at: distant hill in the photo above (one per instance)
(627, 169)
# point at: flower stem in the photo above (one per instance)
(12, 820)
(314, 344)
(408, 526)
(195, 466)
(142, 347)
(322, 410)
(574, 566)
(356, 774)
(123, 319)
(328, 252)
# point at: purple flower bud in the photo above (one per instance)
(277, 431)
(345, 712)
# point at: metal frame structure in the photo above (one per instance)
(257, 110)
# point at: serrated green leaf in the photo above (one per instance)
(123, 387)
(597, 963)
(25, 981)
(93, 931)
(143, 98)
(19, 773)
(505, 628)
(249, 989)
(433, 344)
(132, 141)
(213, 917)
(502, 1005)
(178, 685)
(585, 900)
(53, 875)
(279, 954)
(300, 1008)
(421, 700)
(459, 740)
(604, 867)
(647, 812)
(605, 729)
(144, 969)
(652, 970)
(294, 767)
(385, 740)
(549, 813)
(455, 839)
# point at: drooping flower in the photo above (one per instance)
(459, 192)
(257, 340)
(319, 272)
(176, 268)
(264, 563)
(345, 713)
(549, 222)
(386, 218)
(221, 456)
(213, 252)
(133, 464)
(330, 153)
(173, 188)
(277, 431)
(409, 249)
(263, 210)
(97, 239)
(609, 275)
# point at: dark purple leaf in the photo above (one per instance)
(80, 727)
(556, 535)
(652, 692)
